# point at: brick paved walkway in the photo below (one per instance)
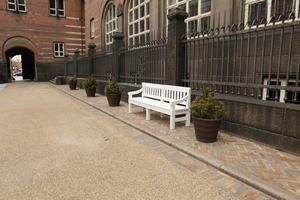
(278, 168)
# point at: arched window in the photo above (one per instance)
(199, 13)
(138, 22)
(111, 26)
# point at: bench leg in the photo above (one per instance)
(129, 107)
(188, 119)
(172, 121)
(148, 114)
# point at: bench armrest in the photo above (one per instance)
(175, 102)
(130, 94)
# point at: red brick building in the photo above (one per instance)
(42, 32)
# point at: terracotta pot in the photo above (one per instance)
(113, 99)
(90, 92)
(206, 130)
(73, 85)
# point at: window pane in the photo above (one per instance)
(192, 26)
(147, 9)
(60, 4)
(55, 47)
(21, 1)
(130, 42)
(52, 12)
(61, 12)
(130, 29)
(136, 2)
(147, 24)
(205, 6)
(273, 93)
(22, 8)
(136, 28)
(12, 1)
(142, 11)
(142, 39)
(142, 26)
(205, 24)
(130, 16)
(52, 4)
(280, 7)
(136, 14)
(257, 11)
(11, 7)
(136, 40)
(291, 96)
(193, 8)
(171, 2)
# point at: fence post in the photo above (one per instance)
(75, 57)
(175, 47)
(66, 64)
(91, 53)
(118, 43)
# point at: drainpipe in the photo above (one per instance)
(81, 21)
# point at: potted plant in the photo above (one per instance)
(207, 113)
(72, 81)
(113, 92)
(90, 86)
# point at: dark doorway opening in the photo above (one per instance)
(27, 60)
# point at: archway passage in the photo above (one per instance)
(28, 63)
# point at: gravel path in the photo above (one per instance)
(54, 147)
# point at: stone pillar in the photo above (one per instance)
(175, 47)
(91, 53)
(66, 64)
(118, 44)
(75, 57)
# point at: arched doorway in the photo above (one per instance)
(27, 59)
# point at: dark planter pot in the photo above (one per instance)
(90, 92)
(113, 99)
(206, 130)
(73, 85)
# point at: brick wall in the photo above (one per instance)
(37, 30)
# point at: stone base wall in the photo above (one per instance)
(44, 71)
(49, 70)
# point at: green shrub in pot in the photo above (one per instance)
(90, 86)
(207, 113)
(113, 92)
(72, 81)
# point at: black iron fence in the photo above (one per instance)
(83, 70)
(102, 65)
(144, 63)
(260, 61)
(70, 68)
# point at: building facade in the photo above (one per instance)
(42, 32)
(142, 20)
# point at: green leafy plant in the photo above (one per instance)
(113, 87)
(72, 80)
(207, 107)
(90, 83)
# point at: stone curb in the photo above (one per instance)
(261, 185)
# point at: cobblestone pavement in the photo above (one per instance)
(54, 147)
(276, 167)
(273, 166)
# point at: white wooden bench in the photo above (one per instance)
(166, 99)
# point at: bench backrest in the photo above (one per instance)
(166, 92)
